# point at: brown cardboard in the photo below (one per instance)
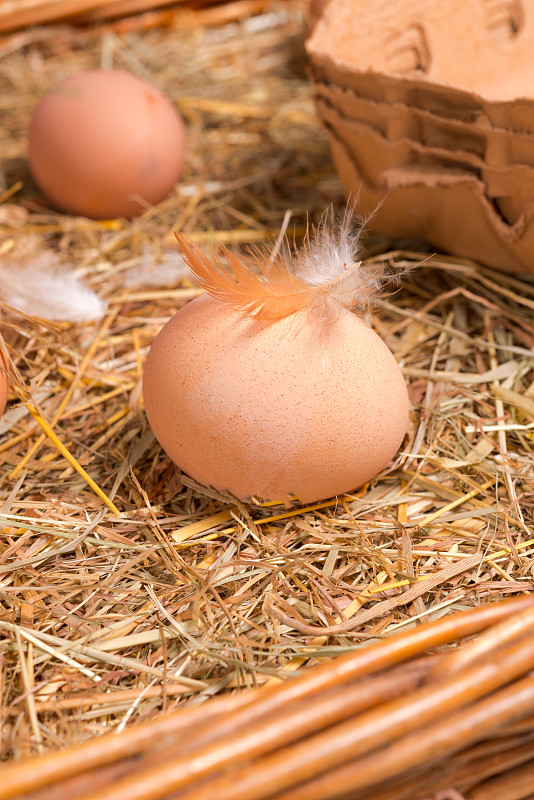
(451, 42)
(447, 101)
(496, 146)
(429, 108)
(375, 156)
(439, 55)
(451, 212)
(315, 10)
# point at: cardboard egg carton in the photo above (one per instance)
(497, 146)
(449, 210)
(511, 186)
(430, 120)
(447, 101)
(469, 60)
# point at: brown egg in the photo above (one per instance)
(303, 405)
(104, 144)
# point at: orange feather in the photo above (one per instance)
(322, 277)
(271, 293)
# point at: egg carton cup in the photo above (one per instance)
(495, 146)
(450, 211)
(510, 188)
(465, 61)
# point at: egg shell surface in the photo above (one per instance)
(101, 139)
(305, 406)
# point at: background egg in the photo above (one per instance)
(104, 144)
(306, 406)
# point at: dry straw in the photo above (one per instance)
(187, 598)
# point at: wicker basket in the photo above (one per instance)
(15, 14)
(400, 719)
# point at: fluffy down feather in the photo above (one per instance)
(325, 275)
(43, 287)
(166, 270)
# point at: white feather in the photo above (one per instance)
(330, 257)
(39, 285)
(332, 250)
(168, 271)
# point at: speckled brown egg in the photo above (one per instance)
(304, 405)
(105, 144)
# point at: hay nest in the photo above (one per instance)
(128, 590)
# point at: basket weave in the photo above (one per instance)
(16, 14)
(396, 720)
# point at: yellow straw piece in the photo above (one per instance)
(488, 559)
(199, 527)
(75, 382)
(11, 442)
(11, 191)
(122, 412)
(70, 458)
(334, 501)
(458, 502)
(225, 516)
(205, 539)
(110, 224)
(396, 584)
(507, 550)
(103, 398)
(224, 108)
(237, 236)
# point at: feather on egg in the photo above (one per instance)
(325, 270)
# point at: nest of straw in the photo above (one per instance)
(126, 589)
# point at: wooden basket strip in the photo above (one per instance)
(78, 785)
(246, 744)
(217, 12)
(291, 724)
(465, 771)
(330, 749)
(22, 13)
(464, 774)
(524, 726)
(515, 784)
(121, 8)
(489, 642)
(25, 776)
(229, 715)
(481, 761)
(422, 748)
(474, 774)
